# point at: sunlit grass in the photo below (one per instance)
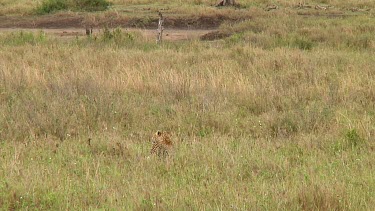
(258, 120)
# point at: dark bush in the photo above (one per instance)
(91, 5)
(50, 6)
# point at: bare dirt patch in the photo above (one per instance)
(72, 24)
(68, 20)
(169, 34)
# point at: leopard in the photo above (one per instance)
(161, 144)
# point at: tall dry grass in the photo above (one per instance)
(255, 127)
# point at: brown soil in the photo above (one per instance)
(71, 24)
(178, 27)
(169, 34)
(74, 20)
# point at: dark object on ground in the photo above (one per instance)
(271, 7)
(225, 3)
(89, 31)
(215, 35)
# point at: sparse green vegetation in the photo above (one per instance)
(279, 115)
(305, 33)
(22, 38)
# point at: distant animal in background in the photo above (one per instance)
(161, 144)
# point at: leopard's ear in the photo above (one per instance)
(158, 133)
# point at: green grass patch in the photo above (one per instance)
(23, 37)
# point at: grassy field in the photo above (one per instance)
(279, 115)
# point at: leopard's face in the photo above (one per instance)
(157, 137)
(161, 137)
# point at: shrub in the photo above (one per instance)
(49, 6)
(115, 38)
(91, 5)
(118, 37)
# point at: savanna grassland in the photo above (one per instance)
(279, 114)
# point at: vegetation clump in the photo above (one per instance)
(50, 6)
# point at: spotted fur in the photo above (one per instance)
(161, 144)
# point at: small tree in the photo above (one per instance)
(160, 28)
